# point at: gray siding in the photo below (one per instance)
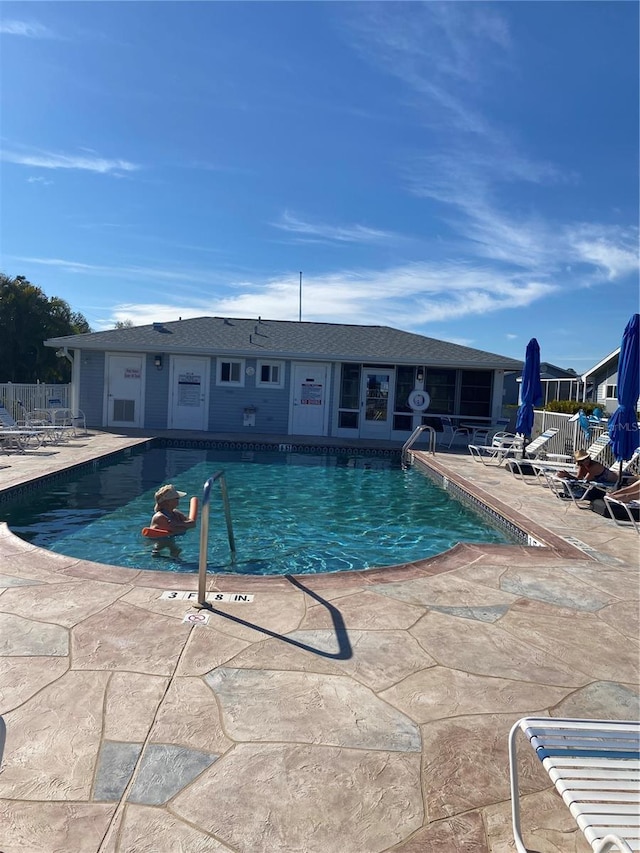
(92, 387)
(226, 405)
(156, 394)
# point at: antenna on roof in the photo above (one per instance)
(300, 300)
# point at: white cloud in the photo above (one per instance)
(611, 249)
(413, 297)
(333, 233)
(25, 28)
(33, 179)
(46, 160)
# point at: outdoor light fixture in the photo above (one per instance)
(157, 360)
(420, 374)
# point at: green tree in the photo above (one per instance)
(27, 318)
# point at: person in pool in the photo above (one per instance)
(167, 516)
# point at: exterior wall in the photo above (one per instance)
(156, 393)
(227, 404)
(91, 386)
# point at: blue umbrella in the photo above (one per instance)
(623, 424)
(531, 389)
(585, 426)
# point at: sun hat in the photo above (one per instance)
(167, 493)
(581, 455)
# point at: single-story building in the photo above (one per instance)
(602, 381)
(557, 384)
(222, 374)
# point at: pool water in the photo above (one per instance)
(291, 513)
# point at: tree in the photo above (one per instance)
(27, 318)
(123, 324)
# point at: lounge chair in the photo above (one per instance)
(620, 512)
(595, 450)
(595, 767)
(583, 490)
(532, 451)
(504, 445)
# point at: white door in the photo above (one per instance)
(189, 393)
(310, 394)
(376, 406)
(124, 390)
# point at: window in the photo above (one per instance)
(230, 371)
(271, 374)
(441, 385)
(475, 393)
(612, 392)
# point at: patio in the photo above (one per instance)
(351, 713)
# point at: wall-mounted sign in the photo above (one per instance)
(311, 394)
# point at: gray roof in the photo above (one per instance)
(287, 339)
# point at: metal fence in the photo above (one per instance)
(39, 396)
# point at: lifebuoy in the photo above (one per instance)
(419, 400)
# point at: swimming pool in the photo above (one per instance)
(292, 513)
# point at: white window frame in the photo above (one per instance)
(270, 363)
(613, 386)
(229, 383)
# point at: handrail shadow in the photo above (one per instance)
(345, 651)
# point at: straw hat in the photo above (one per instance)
(167, 493)
(581, 455)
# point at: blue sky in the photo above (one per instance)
(463, 170)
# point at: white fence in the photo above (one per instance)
(571, 435)
(39, 396)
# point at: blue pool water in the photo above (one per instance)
(292, 513)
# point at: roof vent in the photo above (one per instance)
(158, 326)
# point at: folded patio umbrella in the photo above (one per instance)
(623, 424)
(531, 389)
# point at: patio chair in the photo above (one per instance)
(620, 512)
(504, 445)
(521, 468)
(595, 450)
(38, 421)
(452, 431)
(18, 436)
(595, 766)
(577, 490)
(484, 434)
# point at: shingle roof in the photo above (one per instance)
(287, 339)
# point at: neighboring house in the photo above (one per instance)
(227, 375)
(557, 384)
(603, 379)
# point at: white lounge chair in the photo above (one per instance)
(595, 767)
(595, 450)
(520, 468)
(504, 445)
(631, 509)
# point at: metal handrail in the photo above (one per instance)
(413, 438)
(204, 533)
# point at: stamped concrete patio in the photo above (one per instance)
(350, 713)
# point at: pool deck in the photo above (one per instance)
(348, 713)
